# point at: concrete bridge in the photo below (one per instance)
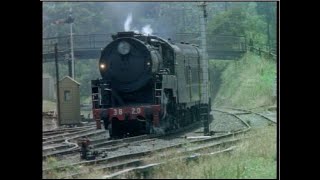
(89, 46)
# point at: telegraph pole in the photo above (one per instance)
(70, 21)
(204, 109)
(57, 80)
(70, 67)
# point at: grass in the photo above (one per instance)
(52, 163)
(248, 82)
(253, 158)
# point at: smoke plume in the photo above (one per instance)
(147, 30)
(128, 22)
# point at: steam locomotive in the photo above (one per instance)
(148, 85)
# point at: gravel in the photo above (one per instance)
(225, 122)
(49, 124)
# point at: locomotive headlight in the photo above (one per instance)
(123, 47)
(102, 66)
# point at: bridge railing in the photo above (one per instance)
(48, 44)
(90, 41)
(216, 44)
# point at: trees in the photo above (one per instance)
(255, 20)
(89, 18)
(230, 22)
(268, 11)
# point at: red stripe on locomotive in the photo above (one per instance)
(121, 112)
(132, 112)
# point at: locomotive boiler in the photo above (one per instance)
(148, 85)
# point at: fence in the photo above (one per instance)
(264, 50)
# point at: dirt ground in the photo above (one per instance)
(49, 124)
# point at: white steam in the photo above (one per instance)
(146, 30)
(128, 22)
(135, 30)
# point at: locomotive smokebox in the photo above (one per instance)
(128, 62)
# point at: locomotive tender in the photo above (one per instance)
(148, 85)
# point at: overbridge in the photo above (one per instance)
(89, 46)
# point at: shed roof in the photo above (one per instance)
(68, 77)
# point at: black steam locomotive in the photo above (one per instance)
(148, 85)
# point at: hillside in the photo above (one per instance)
(248, 82)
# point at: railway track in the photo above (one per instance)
(62, 137)
(64, 130)
(108, 145)
(58, 141)
(142, 158)
(243, 111)
(59, 132)
(48, 134)
(102, 144)
(68, 128)
(123, 161)
(136, 159)
(141, 168)
(67, 141)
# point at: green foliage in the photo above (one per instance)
(235, 18)
(89, 18)
(247, 83)
(85, 71)
(54, 173)
(228, 23)
(247, 18)
(186, 15)
(252, 158)
(230, 18)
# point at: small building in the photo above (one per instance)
(69, 101)
(48, 90)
